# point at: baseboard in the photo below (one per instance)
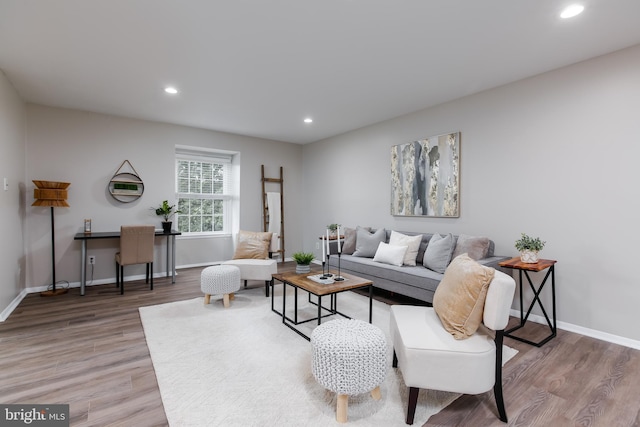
(592, 333)
(13, 305)
(201, 264)
(4, 315)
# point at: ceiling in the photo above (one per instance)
(259, 67)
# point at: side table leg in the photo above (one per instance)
(521, 292)
(553, 297)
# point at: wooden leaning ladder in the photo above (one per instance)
(265, 207)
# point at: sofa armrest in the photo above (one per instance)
(493, 261)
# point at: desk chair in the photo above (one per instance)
(430, 357)
(136, 247)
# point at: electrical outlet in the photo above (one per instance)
(317, 245)
(92, 259)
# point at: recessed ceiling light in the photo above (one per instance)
(308, 120)
(571, 11)
(171, 90)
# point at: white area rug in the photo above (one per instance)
(241, 366)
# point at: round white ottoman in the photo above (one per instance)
(220, 280)
(349, 357)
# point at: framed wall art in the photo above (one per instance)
(425, 177)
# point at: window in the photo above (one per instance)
(203, 191)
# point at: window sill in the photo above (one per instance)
(204, 236)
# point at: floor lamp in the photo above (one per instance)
(52, 194)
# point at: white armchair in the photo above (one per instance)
(431, 358)
(254, 262)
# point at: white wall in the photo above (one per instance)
(86, 149)
(554, 156)
(12, 214)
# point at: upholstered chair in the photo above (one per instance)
(253, 257)
(430, 357)
(136, 247)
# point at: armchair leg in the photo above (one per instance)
(497, 386)
(395, 359)
(267, 284)
(117, 275)
(413, 401)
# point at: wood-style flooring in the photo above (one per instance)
(90, 352)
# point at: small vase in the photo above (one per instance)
(529, 257)
(303, 269)
(166, 226)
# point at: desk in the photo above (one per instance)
(84, 237)
(541, 265)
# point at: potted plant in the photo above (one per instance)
(333, 229)
(529, 248)
(303, 259)
(166, 211)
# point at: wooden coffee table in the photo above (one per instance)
(301, 281)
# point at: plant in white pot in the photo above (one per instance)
(303, 261)
(529, 248)
(333, 229)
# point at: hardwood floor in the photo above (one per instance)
(89, 351)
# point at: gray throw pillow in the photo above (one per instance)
(349, 243)
(475, 247)
(438, 253)
(367, 243)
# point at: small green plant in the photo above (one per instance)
(526, 243)
(303, 258)
(333, 227)
(166, 210)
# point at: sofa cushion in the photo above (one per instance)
(367, 243)
(438, 253)
(253, 245)
(418, 277)
(476, 247)
(390, 254)
(459, 298)
(412, 243)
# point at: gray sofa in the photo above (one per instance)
(416, 282)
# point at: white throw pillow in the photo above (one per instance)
(412, 243)
(389, 254)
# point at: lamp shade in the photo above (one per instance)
(50, 193)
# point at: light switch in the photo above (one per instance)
(6, 184)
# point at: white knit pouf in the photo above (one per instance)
(220, 280)
(349, 357)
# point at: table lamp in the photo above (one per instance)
(52, 194)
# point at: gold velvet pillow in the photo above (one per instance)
(459, 298)
(253, 245)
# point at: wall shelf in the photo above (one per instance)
(126, 186)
